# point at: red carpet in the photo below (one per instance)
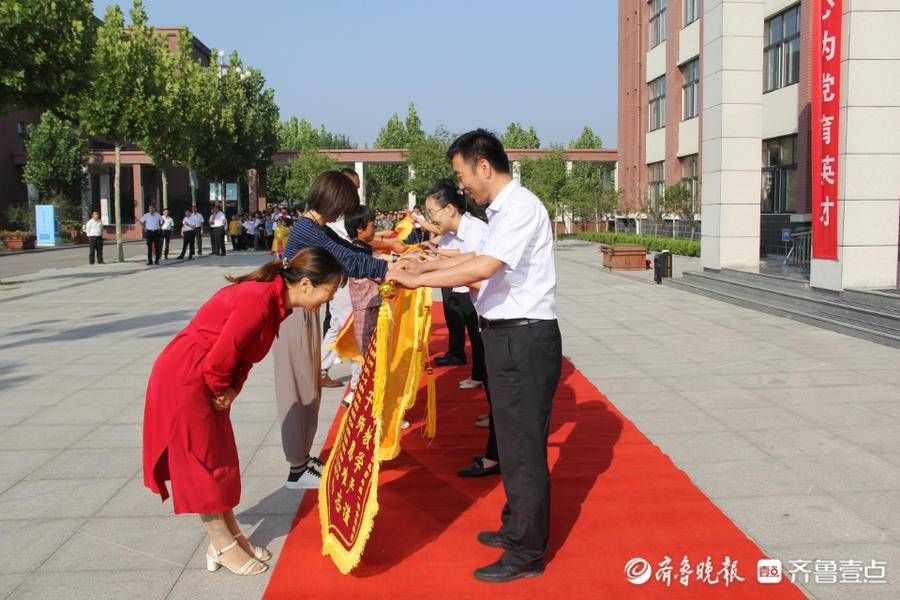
(615, 496)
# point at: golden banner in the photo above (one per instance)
(370, 429)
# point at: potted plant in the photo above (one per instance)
(17, 240)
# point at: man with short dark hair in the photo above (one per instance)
(152, 223)
(188, 228)
(167, 225)
(515, 271)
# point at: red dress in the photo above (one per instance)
(185, 439)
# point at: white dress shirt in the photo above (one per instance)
(93, 227)
(197, 221)
(249, 226)
(168, 223)
(339, 228)
(152, 221)
(468, 237)
(519, 236)
(217, 220)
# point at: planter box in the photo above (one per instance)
(624, 257)
(18, 243)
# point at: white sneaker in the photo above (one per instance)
(468, 384)
(308, 479)
(404, 424)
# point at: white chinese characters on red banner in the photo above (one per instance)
(826, 92)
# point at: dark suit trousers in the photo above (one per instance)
(188, 240)
(524, 364)
(455, 326)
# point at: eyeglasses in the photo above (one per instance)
(431, 215)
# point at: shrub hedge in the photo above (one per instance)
(657, 244)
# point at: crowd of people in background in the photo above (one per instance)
(259, 231)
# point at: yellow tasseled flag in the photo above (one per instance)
(404, 227)
(345, 343)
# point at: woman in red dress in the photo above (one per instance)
(188, 437)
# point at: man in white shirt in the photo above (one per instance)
(249, 227)
(217, 223)
(198, 230)
(168, 224)
(94, 230)
(152, 223)
(188, 234)
(516, 303)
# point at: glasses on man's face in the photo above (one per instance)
(431, 214)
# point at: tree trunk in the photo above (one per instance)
(192, 177)
(117, 200)
(165, 188)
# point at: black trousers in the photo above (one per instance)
(187, 241)
(524, 364)
(198, 238)
(490, 448)
(96, 248)
(461, 303)
(234, 242)
(154, 247)
(166, 238)
(217, 236)
(455, 326)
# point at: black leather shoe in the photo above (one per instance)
(449, 360)
(500, 573)
(477, 469)
(491, 539)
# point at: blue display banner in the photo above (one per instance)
(46, 224)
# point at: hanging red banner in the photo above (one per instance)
(826, 101)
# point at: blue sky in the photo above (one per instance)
(350, 64)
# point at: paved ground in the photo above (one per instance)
(793, 431)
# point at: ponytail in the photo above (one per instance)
(313, 263)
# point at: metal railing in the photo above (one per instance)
(801, 249)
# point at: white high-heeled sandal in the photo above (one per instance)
(213, 562)
(258, 551)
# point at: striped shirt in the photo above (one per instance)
(356, 262)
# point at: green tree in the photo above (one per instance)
(385, 184)
(677, 201)
(295, 134)
(45, 53)
(172, 119)
(413, 127)
(117, 100)
(57, 158)
(428, 160)
(515, 136)
(587, 139)
(239, 126)
(302, 171)
(546, 177)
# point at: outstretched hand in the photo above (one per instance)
(405, 279)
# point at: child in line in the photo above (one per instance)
(364, 295)
(280, 236)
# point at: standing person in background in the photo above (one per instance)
(198, 230)
(94, 230)
(167, 226)
(188, 234)
(217, 223)
(152, 224)
(270, 220)
(234, 232)
(249, 226)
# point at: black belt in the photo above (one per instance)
(498, 323)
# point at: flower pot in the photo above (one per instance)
(624, 257)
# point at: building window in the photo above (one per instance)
(779, 175)
(781, 57)
(689, 178)
(656, 182)
(690, 89)
(657, 103)
(691, 11)
(657, 22)
(21, 134)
